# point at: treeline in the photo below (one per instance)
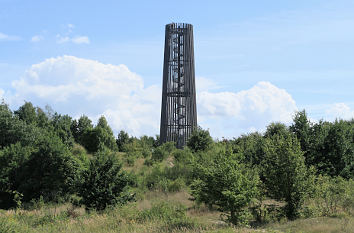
(48, 156)
(303, 170)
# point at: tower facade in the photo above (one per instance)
(178, 109)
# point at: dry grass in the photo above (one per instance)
(317, 225)
(65, 218)
(124, 220)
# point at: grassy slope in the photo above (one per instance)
(129, 218)
(65, 219)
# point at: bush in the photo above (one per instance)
(200, 140)
(334, 195)
(284, 172)
(105, 184)
(226, 183)
(159, 154)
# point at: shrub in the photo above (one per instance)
(284, 172)
(159, 154)
(226, 183)
(200, 140)
(105, 183)
(333, 195)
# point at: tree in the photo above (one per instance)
(285, 174)
(13, 130)
(227, 183)
(99, 137)
(302, 128)
(251, 146)
(50, 171)
(27, 113)
(123, 138)
(46, 169)
(12, 160)
(80, 127)
(339, 147)
(105, 184)
(62, 127)
(331, 148)
(200, 140)
(276, 128)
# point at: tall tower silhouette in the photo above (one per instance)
(178, 109)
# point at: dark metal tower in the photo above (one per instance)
(178, 110)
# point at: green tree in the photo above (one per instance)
(122, 139)
(99, 137)
(12, 160)
(200, 140)
(251, 146)
(13, 130)
(27, 113)
(339, 145)
(105, 184)
(227, 183)
(331, 148)
(42, 118)
(276, 128)
(62, 127)
(46, 169)
(285, 174)
(302, 128)
(80, 127)
(50, 171)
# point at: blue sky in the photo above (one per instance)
(256, 61)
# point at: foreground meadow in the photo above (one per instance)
(158, 212)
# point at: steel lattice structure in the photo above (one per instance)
(178, 110)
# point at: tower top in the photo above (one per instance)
(179, 25)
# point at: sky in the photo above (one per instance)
(256, 61)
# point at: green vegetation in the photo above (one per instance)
(58, 174)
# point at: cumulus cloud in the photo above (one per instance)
(234, 113)
(77, 86)
(340, 111)
(5, 37)
(80, 86)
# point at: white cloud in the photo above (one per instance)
(230, 114)
(79, 86)
(80, 40)
(340, 111)
(1, 94)
(68, 37)
(37, 38)
(4, 37)
(76, 40)
(62, 39)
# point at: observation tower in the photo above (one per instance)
(178, 109)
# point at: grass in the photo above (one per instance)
(317, 225)
(155, 211)
(158, 212)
